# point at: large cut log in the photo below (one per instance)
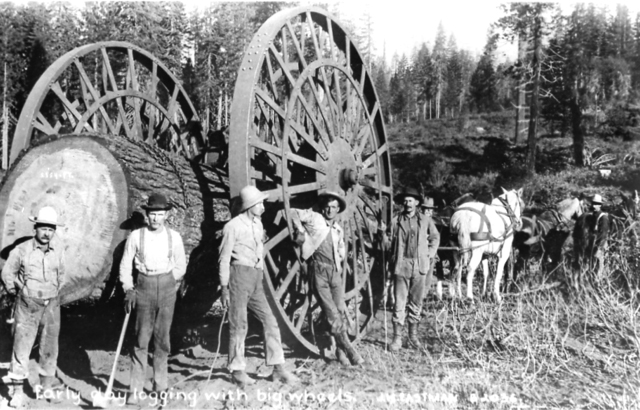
(97, 183)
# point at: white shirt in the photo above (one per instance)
(156, 255)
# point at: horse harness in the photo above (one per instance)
(484, 220)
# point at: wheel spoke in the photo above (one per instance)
(282, 287)
(43, 125)
(372, 158)
(134, 86)
(323, 136)
(152, 111)
(272, 149)
(306, 162)
(298, 189)
(294, 40)
(376, 186)
(271, 103)
(280, 236)
(283, 66)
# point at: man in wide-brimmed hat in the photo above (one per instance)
(322, 241)
(156, 253)
(590, 235)
(413, 244)
(35, 273)
(241, 267)
(428, 207)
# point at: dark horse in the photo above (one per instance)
(543, 235)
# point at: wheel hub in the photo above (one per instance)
(343, 170)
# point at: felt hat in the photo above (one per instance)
(408, 192)
(596, 199)
(250, 196)
(46, 216)
(157, 202)
(428, 203)
(336, 196)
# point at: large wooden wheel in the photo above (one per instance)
(306, 119)
(130, 126)
(111, 88)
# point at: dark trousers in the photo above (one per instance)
(246, 292)
(33, 314)
(409, 293)
(155, 302)
(328, 283)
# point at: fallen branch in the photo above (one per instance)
(538, 289)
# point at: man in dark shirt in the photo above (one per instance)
(414, 243)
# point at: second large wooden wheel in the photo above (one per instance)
(305, 120)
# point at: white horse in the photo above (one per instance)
(485, 229)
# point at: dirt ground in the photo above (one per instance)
(87, 351)
(435, 377)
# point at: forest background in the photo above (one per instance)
(576, 68)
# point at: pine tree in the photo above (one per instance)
(439, 56)
(484, 92)
(531, 20)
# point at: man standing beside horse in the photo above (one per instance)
(413, 244)
(590, 236)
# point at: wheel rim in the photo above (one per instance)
(115, 88)
(305, 120)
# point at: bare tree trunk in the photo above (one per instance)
(220, 110)
(520, 108)
(535, 94)
(5, 123)
(578, 134)
(207, 114)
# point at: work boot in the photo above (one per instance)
(342, 340)
(396, 344)
(242, 379)
(342, 357)
(413, 336)
(18, 400)
(280, 374)
(49, 390)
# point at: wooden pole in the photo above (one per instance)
(5, 122)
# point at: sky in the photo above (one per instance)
(401, 25)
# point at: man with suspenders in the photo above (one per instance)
(156, 253)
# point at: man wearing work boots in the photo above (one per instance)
(156, 254)
(322, 241)
(240, 265)
(35, 273)
(414, 242)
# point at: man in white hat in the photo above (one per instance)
(156, 253)
(322, 241)
(241, 267)
(35, 273)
